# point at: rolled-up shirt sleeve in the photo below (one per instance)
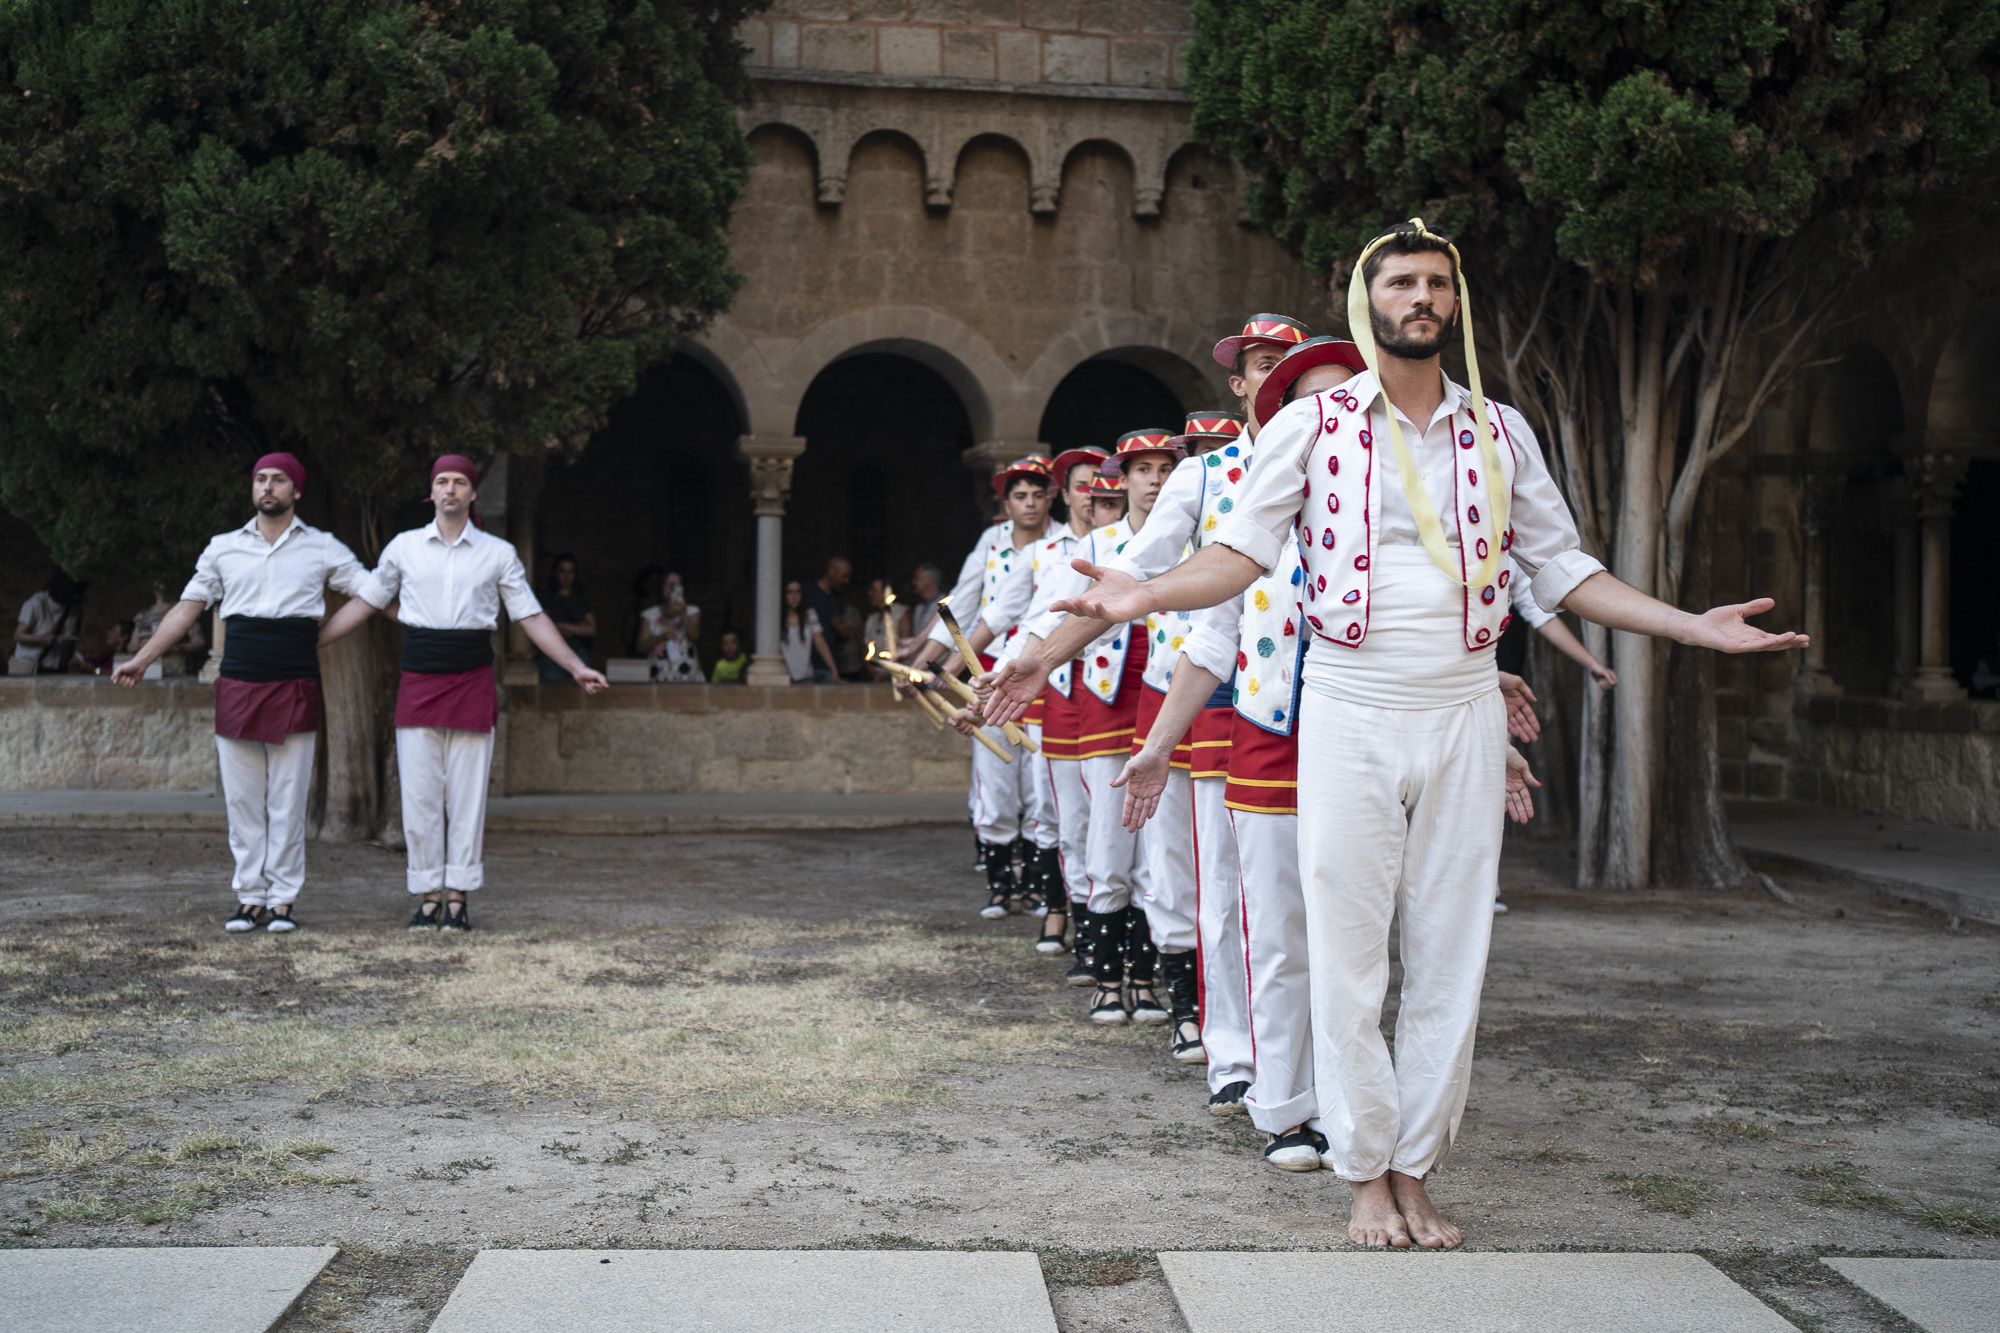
(1159, 546)
(1525, 604)
(1546, 546)
(965, 592)
(384, 583)
(515, 594)
(206, 585)
(344, 572)
(1212, 644)
(1269, 501)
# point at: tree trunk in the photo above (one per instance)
(1691, 845)
(358, 800)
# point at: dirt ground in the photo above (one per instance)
(812, 1040)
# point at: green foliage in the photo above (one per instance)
(1614, 134)
(365, 230)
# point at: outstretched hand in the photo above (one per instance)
(592, 681)
(1522, 724)
(1009, 689)
(1726, 629)
(1144, 778)
(1520, 800)
(1114, 596)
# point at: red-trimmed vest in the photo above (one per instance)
(1343, 513)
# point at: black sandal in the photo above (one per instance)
(429, 912)
(1054, 941)
(461, 919)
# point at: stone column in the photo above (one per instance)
(1934, 481)
(770, 458)
(1908, 587)
(1823, 487)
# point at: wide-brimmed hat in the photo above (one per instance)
(1217, 424)
(1321, 351)
(1034, 468)
(1279, 331)
(1107, 485)
(1069, 459)
(1151, 440)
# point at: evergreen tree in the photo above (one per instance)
(1660, 204)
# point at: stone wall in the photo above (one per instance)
(831, 738)
(70, 732)
(1052, 43)
(1934, 762)
(83, 733)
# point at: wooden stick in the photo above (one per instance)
(930, 710)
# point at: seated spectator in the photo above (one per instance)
(808, 657)
(46, 633)
(563, 599)
(729, 667)
(118, 641)
(646, 592)
(184, 656)
(826, 596)
(926, 590)
(667, 634)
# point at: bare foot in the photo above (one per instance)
(1374, 1219)
(1427, 1225)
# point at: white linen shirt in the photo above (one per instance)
(451, 585)
(280, 580)
(1545, 540)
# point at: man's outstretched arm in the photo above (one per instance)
(1725, 629)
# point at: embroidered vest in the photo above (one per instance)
(1342, 514)
(1050, 557)
(1001, 561)
(1104, 660)
(1270, 647)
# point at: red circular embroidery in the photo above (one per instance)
(1351, 596)
(1472, 475)
(1486, 596)
(1482, 548)
(1333, 466)
(1504, 574)
(1505, 621)
(1483, 635)
(1104, 661)
(1361, 562)
(1472, 513)
(1332, 503)
(1354, 629)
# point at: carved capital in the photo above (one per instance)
(1934, 477)
(770, 458)
(1145, 202)
(832, 191)
(1042, 200)
(937, 192)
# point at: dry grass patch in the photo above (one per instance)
(1665, 1193)
(750, 1019)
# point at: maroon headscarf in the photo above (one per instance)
(466, 468)
(285, 463)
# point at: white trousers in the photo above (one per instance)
(1111, 851)
(444, 805)
(999, 791)
(1166, 849)
(1041, 827)
(1274, 945)
(264, 788)
(1225, 985)
(1072, 824)
(1400, 816)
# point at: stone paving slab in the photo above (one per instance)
(1937, 1295)
(238, 1289)
(748, 1291)
(1460, 1293)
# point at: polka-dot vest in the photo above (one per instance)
(1343, 513)
(1104, 661)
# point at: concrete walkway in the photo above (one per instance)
(635, 813)
(249, 1290)
(1953, 870)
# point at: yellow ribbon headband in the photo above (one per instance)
(1361, 327)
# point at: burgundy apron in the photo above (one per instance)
(268, 685)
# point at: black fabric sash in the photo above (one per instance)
(444, 651)
(258, 649)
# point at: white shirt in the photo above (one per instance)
(1545, 541)
(42, 614)
(278, 580)
(451, 585)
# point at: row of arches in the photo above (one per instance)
(1047, 152)
(897, 430)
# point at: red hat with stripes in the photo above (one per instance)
(1279, 331)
